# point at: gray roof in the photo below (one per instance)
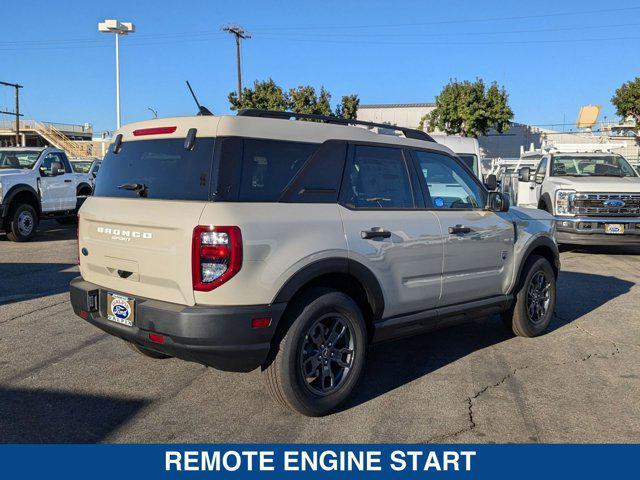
(397, 105)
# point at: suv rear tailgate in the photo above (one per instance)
(139, 246)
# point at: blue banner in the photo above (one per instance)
(318, 461)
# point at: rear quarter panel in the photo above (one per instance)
(278, 240)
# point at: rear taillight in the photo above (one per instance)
(216, 256)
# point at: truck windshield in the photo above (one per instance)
(163, 168)
(23, 159)
(595, 166)
(81, 167)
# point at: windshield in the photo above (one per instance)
(596, 166)
(81, 167)
(470, 160)
(14, 159)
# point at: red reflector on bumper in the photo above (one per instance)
(84, 314)
(263, 322)
(154, 337)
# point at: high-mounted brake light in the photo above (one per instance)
(153, 131)
(216, 256)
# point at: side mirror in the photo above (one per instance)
(498, 202)
(57, 169)
(491, 182)
(524, 175)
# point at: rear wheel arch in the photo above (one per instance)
(340, 274)
(84, 189)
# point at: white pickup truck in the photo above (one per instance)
(36, 183)
(593, 193)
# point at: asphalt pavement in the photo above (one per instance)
(63, 380)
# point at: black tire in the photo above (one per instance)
(283, 372)
(147, 352)
(22, 223)
(524, 319)
(67, 220)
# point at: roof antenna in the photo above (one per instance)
(201, 110)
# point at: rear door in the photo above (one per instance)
(139, 243)
(389, 231)
(69, 183)
(478, 244)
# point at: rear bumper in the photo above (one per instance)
(220, 337)
(591, 230)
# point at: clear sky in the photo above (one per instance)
(552, 56)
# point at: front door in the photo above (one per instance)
(53, 188)
(529, 192)
(389, 232)
(478, 244)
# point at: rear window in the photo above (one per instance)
(164, 167)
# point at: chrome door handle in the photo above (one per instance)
(375, 232)
(458, 229)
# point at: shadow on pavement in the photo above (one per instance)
(24, 281)
(46, 416)
(391, 365)
(49, 231)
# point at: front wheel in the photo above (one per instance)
(22, 223)
(535, 299)
(319, 360)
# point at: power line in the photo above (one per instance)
(453, 21)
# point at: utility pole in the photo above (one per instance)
(17, 111)
(239, 33)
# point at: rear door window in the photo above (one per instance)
(164, 167)
(378, 178)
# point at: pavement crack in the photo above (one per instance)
(25, 314)
(470, 401)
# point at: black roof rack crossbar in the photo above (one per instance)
(408, 132)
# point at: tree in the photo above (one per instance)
(265, 95)
(303, 99)
(470, 109)
(627, 100)
(348, 107)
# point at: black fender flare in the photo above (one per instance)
(15, 190)
(326, 266)
(545, 199)
(83, 185)
(542, 241)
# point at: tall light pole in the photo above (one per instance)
(119, 28)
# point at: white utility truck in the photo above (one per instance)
(593, 193)
(37, 183)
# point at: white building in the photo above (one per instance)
(399, 114)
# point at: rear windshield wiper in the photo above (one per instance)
(140, 188)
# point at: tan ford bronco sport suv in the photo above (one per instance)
(255, 241)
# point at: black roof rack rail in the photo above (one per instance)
(408, 132)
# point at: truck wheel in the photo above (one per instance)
(22, 223)
(146, 352)
(320, 358)
(535, 299)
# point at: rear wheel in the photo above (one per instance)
(147, 352)
(22, 223)
(535, 299)
(320, 359)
